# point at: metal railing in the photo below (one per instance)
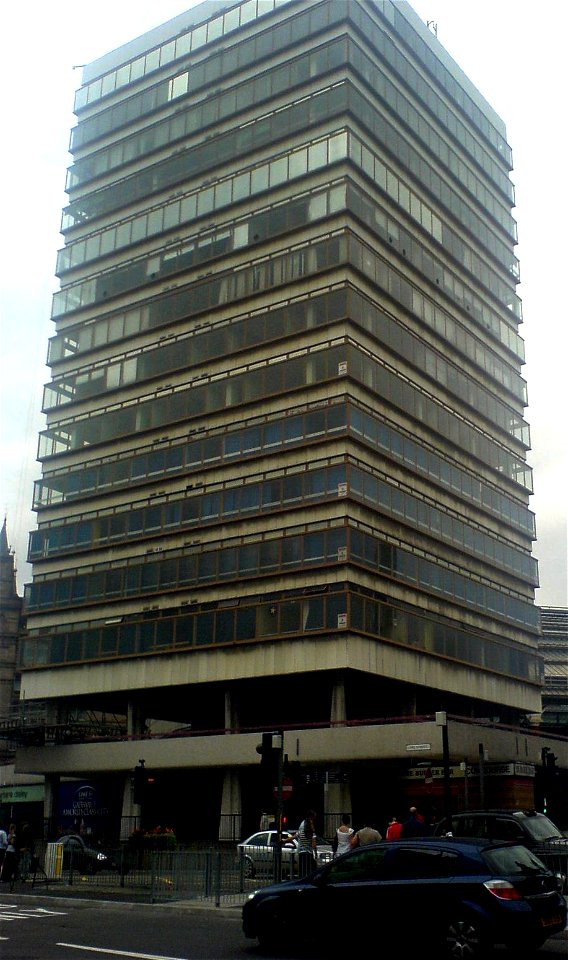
(221, 876)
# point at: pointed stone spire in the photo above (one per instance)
(4, 548)
(9, 598)
(11, 622)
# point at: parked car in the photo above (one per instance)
(461, 897)
(84, 857)
(534, 830)
(257, 853)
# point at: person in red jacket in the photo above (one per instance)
(394, 829)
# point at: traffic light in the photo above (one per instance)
(269, 750)
(549, 761)
(142, 780)
(550, 774)
(139, 784)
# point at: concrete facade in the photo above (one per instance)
(284, 476)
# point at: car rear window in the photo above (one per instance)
(512, 860)
(541, 828)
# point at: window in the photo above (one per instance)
(204, 628)
(290, 617)
(418, 864)
(224, 626)
(367, 865)
(246, 624)
(505, 830)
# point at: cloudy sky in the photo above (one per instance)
(514, 52)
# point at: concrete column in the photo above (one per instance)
(50, 797)
(336, 796)
(231, 807)
(231, 801)
(131, 812)
(231, 714)
(130, 816)
(338, 708)
(336, 800)
(135, 719)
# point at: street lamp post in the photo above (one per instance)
(279, 811)
(482, 759)
(442, 721)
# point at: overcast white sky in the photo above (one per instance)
(514, 52)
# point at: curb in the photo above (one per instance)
(207, 906)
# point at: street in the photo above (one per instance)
(52, 928)
(46, 928)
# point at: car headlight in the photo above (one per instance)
(102, 856)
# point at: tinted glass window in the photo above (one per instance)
(505, 829)
(469, 827)
(540, 828)
(364, 865)
(425, 862)
(512, 860)
(260, 840)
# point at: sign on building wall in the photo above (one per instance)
(26, 794)
(84, 807)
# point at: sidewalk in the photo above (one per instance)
(61, 891)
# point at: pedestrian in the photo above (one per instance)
(25, 849)
(366, 834)
(8, 872)
(3, 845)
(414, 826)
(394, 829)
(342, 839)
(307, 844)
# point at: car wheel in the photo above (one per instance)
(274, 930)
(466, 939)
(248, 869)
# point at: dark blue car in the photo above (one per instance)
(458, 897)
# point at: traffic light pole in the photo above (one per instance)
(271, 751)
(442, 721)
(279, 812)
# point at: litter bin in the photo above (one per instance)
(54, 861)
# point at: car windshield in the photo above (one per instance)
(512, 860)
(541, 828)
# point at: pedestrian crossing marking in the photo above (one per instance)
(10, 911)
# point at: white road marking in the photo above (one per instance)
(119, 953)
(14, 912)
(16, 906)
(29, 911)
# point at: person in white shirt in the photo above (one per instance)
(9, 864)
(3, 845)
(343, 836)
(307, 844)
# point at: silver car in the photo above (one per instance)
(257, 853)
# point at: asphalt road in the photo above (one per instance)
(49, 928)
(53, 928)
